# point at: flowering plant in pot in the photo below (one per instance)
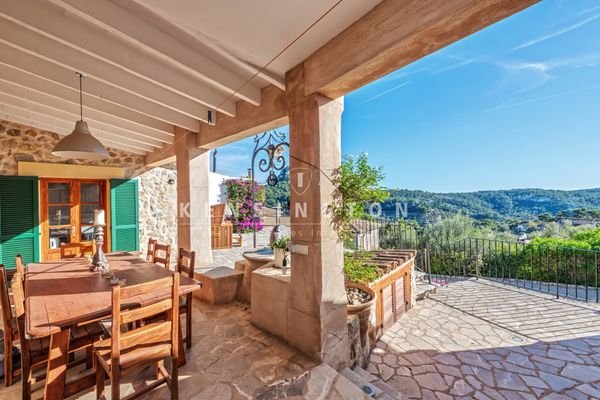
(280, 249)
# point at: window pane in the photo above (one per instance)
(87, 213)
(90, 193)
(58, 193)
(87, 233)
(59, 215)
(58, 236)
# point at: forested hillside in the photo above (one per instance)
(500, 205)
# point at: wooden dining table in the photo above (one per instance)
(63, 294)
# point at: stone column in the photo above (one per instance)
(317, 303)
(193, 208)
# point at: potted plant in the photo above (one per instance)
(280, 249)
(358, 274)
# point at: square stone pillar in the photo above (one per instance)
(317, 303)
(193, 207)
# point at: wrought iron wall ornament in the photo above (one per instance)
(269, 148)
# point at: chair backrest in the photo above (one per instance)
(19, 300)
(75, 249)
(164, 332)
(162, 254)
(186, 262)
(4, 299)
(217, 214)
(150, 251)
(20, 266)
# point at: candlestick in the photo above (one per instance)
(99, 217)
(99, 261)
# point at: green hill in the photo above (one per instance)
(498, 205)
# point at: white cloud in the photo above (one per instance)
(538, 99)
(383, 93)
(558, 32)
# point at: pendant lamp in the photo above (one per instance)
(80, 144)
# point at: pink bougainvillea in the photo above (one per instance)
(239, 194)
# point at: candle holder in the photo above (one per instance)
(99, 261)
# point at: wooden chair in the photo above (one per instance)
(162, 254)
(143, 346)
(75, 250)
(34, 352)
(20, 266)
(185, 265)
(11, 332)
(150, 251)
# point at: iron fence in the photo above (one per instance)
(561, 271)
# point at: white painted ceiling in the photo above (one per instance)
(152, 64)
(257, 30)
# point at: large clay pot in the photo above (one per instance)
(362, 310)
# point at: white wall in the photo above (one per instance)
(216, 189)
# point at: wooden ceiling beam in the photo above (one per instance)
(249, 120)
(72, 110)
(132, 27)
(51, 124)
(62, 55)
(32, 83)
(396, 33)
(162, 156)
(55, 22)
(27, 62)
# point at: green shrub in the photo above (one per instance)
(357, 268)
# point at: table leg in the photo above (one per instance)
(58, 360)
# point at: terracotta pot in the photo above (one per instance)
(362, 310)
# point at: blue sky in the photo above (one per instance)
(516, 105)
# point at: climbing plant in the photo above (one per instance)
(246, 212)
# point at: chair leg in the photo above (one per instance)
(174, 379)
(8, 365)
(100, 376)
(188, 324)
(25, 378)
(159, 364)
(89, 357)
(115, 382)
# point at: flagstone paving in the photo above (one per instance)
(483, 340)
(230, 360)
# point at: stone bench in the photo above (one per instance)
(220, 285)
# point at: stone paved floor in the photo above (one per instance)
(228, 257)
(483, 340)
(229, 360)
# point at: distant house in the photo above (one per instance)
(580, 221)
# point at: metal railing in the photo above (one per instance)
(561, 271)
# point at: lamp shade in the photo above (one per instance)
(80, 144)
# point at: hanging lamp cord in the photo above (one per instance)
(80, 96)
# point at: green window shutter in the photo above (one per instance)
(19, 219)
(124, 215)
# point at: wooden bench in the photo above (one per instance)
(220, 285)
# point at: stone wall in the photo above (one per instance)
(157, 198)
(23, 143)
(158, 208)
